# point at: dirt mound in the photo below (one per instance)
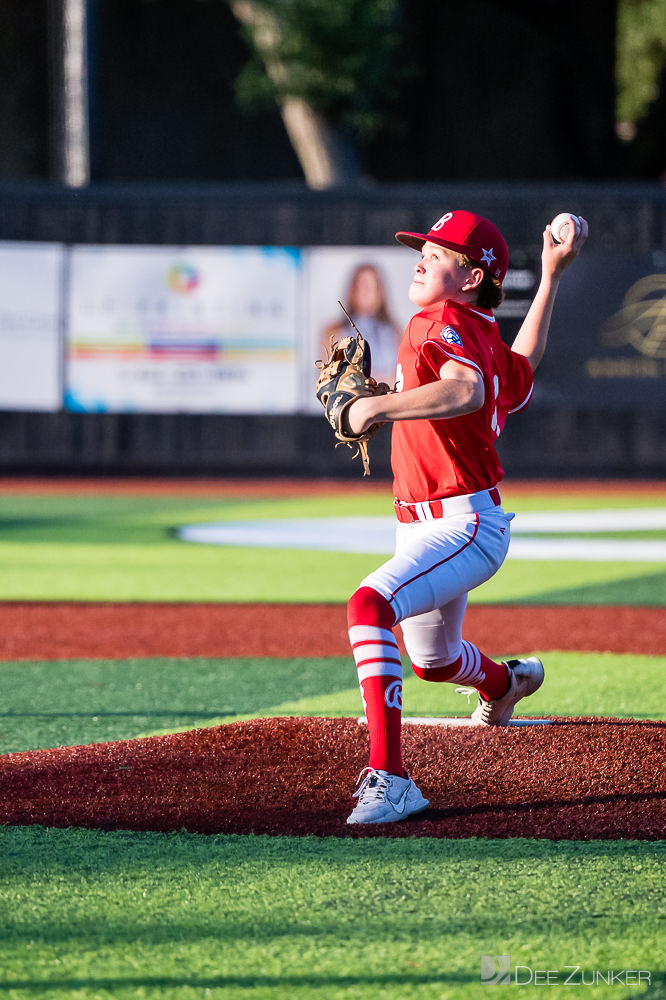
(578, 779)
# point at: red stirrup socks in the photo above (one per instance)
(472, 667)
(370, 619)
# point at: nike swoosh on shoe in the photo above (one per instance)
(399, 806)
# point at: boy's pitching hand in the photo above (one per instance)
(558, 255)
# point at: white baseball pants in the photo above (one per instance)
(426, 582)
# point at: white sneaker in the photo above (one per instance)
(526, 677)
(385, 798)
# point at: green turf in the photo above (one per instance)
(90, 701)
(591, 684)
(124, 549)
(95, 915)
(79, 701)
(174, 571)
(100, 515)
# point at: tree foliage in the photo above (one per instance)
(336, 55)
(641, 56)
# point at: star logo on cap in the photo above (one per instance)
(488, 256)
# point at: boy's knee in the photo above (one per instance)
(366, 606)
(437, 668)
(435, 662)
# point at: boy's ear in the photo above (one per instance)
(473, 279)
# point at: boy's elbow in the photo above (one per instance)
(471, 396)
(477, 396)
(533, 357)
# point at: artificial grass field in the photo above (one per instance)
(118, 548)
(88, 914)
(70, 702)
(129, 916)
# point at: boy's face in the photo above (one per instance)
(438, 275)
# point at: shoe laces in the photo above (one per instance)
(468, 691)
(372, 786)
(485, 706)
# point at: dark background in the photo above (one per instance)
(504, 107)
(506, 90)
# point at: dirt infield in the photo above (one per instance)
(579, 779)
(56, 631)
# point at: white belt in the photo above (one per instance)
(431, 510)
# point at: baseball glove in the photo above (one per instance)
(343, 378)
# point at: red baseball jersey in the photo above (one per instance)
(452, 456)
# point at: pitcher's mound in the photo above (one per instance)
(576, 779)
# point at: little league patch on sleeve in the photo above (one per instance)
(451, 336)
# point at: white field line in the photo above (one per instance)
(571, 521)
(375, 535)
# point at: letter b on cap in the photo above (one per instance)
(440, 222)
(495, 970)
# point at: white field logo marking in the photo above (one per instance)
(376, 535)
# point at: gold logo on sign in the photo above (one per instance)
(641, 321)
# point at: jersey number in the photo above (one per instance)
(494, 424)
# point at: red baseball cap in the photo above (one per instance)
(466, 233)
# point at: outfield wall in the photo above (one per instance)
(599, 404)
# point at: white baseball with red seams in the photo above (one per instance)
(559, 227)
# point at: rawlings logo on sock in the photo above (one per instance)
(393, 695)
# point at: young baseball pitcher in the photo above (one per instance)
(456, 384)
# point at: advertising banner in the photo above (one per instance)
(607, 347)
(30, 330)
(205, 329)
(238, 329)
(372, 284)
